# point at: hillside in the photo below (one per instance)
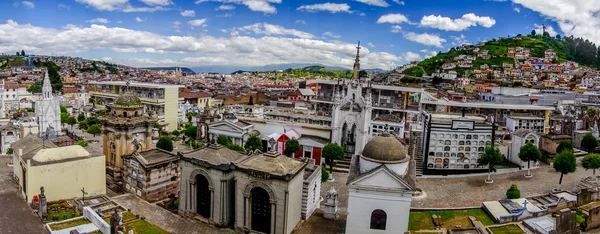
(567, 49)
(310, 71)
(183, 69)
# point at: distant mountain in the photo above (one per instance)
(183, 69)
(273, 67)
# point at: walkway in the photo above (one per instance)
(166, 220)
(15, 216)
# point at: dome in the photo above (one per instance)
(128, 100)
(385, 149)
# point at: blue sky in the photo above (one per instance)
(260, 32)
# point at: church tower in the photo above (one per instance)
(47, 111)
(351, 117)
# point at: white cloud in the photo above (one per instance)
(425, 39)
(410, 56)
(362, 14)
(226, 15)
(98, 21)
(460, 24)
(396, 29)
(331, 35)
(265, 6)
(28, 4)
(157, 2)
(459, 40)
(124, 6)
(187, 50)
(197, 22)
(300, 22)
(188, 13)
(331, 7)
(399, 2)
(105, 59)
(370, 45)
(138, 19)
(549, 29)
(67, 7)
(105, 5)
(517, 9)
(225, 7)
(393, 19)
(270, 30)
(380, 3)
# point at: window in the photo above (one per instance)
(378, 219)
(308, 151)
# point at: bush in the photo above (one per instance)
(82, 143)
(223, 140)
(324, 174)
(235, 147)
(165, 143)
(191, 132)
(291, 146)
(253, 143)
(513, 192)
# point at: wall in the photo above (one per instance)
(272, 127)
(171, 107)
(65, 180)
(363, 203)
(311, 193)
(294, 209)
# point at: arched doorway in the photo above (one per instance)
(261, 210)
(202, 196)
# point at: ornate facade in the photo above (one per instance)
(47, 112)
(125, 130)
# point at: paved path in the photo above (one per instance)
(166, 220)
(472, 191)
(15, 216)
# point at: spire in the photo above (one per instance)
(47, 87)
(357, 63)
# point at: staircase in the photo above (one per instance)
(343, 165)
(415, 150)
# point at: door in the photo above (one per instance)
(261, 210)
(202, 196)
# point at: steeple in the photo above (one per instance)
(357, 63)
(47, 87)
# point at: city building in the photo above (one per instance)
(125, 130)
(381, 184)
(160, 100)
(63, 171)
(452, 144)
(151, 174)
(47, 112)
(515, 122)
(258, 193)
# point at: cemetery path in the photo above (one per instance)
(166, 220)
(15, 216)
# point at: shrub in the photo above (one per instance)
(223, 140)
(324, 174)
(235, 147)
(191, 132)
(253, 143)
(513, 192)
(82, 143)
(291, 146)
(165, 143)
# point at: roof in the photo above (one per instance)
(272, 163)
(385, 149)
(188, 95)
(522, 132)
(136, 84)
(69, 89)
(11, 85)
(60, 153)
(127, 100)
(306, 92)
(30, 145)
(152, 157)
(215, 156)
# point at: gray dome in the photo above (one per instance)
(385, 149)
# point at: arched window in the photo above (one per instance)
(378, 219)
(447, 148)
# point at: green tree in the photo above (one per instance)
(533, 33)
(189, 116)
(564, 145)
(591, 162)
(63, 109)
(332, 152)
(82, 143)
(83, 125)
(80, 117)
(35, 88)
(513, 192)
(565, 163)
(324, 175)
(94, 129)
(191, 132)
(175, 133)
(165, 143)
(71, 121)
(9, 151)
(157, 126)
(92, 120)
(223, 140)
(589, 142)
(490, 158)
(63, 118)
(253, 143)
(529, 152)
(291, 146)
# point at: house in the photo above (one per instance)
(311, 147)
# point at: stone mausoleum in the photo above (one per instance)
(152, 174)
(264, 193)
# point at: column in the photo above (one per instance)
(273, 214)
(246, 212)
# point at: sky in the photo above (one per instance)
(265, 32)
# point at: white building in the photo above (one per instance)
(381, 184)
(47, 111)
(519, 139)
(515, 122)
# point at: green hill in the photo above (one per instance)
(567, 48)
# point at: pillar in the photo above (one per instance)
(405, 100)
(273, 214)
(546, 121)
(246, 212)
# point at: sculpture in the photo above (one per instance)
(43, 208)
(115, 222)
(331, 204)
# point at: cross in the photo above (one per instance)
(84, 193)
(525, 204)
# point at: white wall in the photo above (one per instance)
(362, 204)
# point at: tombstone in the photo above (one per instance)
(331, 204)
(43, 210)
(566, 222)
(115, 222)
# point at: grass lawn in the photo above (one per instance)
(69, 224)
(421, 220)
(141, 226)
(128, 216)
(590, 206)
(62, 215)
(508, 229)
